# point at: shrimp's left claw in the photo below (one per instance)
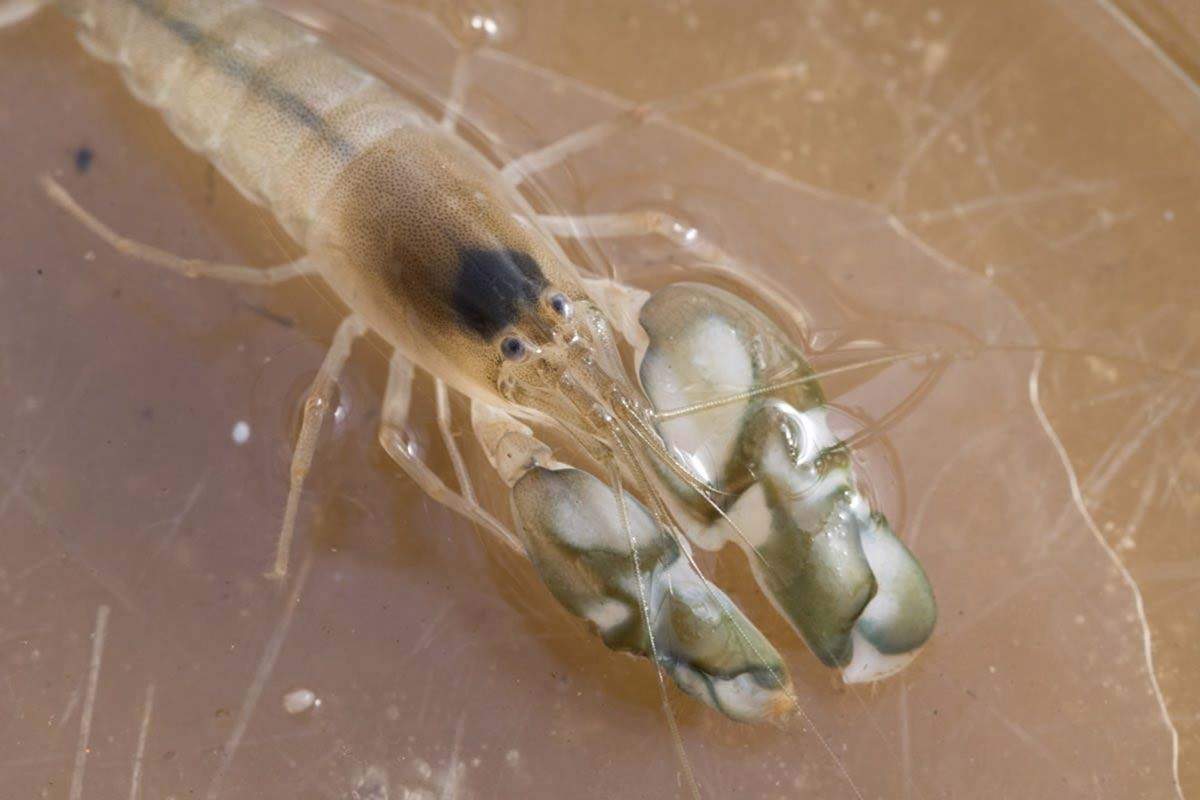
(632, 581)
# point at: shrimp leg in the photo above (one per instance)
(639, 223)
(188, 267)
(395, 439)
(456, 458)
(316, 407)
(522, 167)
(622, 304)
(459, 79)
(320, 392)
(687, 238)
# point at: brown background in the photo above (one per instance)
(1023, 176)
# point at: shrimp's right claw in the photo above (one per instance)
(740, 409)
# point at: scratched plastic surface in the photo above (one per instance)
(1026, 174)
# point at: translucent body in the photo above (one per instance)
(384, 199)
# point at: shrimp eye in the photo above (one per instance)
(561, 305)
(513, 349)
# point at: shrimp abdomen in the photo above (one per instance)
(276, 110)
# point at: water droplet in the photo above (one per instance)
(485, 24)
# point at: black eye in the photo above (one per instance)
(561, 305)
(513, 348)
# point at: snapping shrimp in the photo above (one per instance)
(716, 434)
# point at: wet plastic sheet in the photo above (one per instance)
(898, 185)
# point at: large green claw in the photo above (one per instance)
(593, 561)
(832, 567)
(809, 557)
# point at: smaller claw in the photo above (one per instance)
(592, 561)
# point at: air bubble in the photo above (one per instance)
(300, 700)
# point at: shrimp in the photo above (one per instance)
(716, 434)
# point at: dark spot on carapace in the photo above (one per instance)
(83, 159)
(494, 287)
